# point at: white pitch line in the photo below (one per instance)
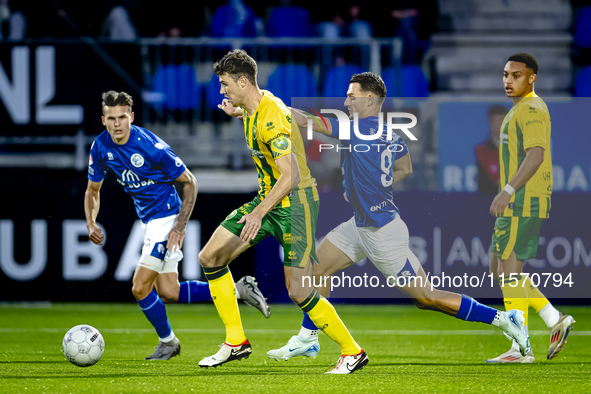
(409, 332)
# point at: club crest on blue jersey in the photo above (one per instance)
(137, 160)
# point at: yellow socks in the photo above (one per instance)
(325, 317)
(515, 297)
(536, 299)
(223, 293)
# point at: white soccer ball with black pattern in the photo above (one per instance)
(83, 345)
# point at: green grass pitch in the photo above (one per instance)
(410, 351)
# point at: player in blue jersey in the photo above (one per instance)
(376, 230)
(146, 167)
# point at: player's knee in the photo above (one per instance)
(140, 291)
(169, 297)
(206, 259)
(298, 299)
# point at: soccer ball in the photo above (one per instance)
(83, 345)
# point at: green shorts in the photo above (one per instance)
(518, 234)
(294, 227)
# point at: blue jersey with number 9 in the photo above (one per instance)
(367, 167)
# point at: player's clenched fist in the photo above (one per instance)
(95, 234)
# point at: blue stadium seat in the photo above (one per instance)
(212, 92)
(292, 80)
(231, 21)
(583, 84)
(583, 28)
(405, 81)
(336, 81)
(178, 84)
(289, 22)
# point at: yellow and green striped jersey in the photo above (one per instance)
(525, 126)
(270, 135)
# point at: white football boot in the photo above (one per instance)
(349, 364)
(511, 322)
(513, 356)
(226, 354)
(296, 346)
(559, 333)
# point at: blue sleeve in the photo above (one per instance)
(171, 164)
(335, 128)
(96, 169)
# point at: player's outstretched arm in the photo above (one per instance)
(402, 168)
(533, 160)
(289, 179)
(301, 119)
(229, 108)
(177, 234)
(92, 202)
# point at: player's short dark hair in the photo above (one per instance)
(113, 98)
(370, 82)
(237, 63)
(526, 58)
(497, 110)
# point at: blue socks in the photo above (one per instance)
(154, 309)
(472, 310)
(194, 291)
(308, 323)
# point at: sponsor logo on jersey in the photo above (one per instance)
(287, 238)
(110, 156)
(178, 162)
(90, 170)
(132, 180)
(158, 145)
(137, 160)
(381, 205)
(90, 160)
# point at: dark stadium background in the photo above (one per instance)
(65, 59)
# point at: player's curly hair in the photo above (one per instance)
(370, 82)
(529, 60)
(113, 98)
(237, 63)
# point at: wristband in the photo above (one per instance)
(509, 189)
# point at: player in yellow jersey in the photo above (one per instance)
(286, 207)
(523, 203)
